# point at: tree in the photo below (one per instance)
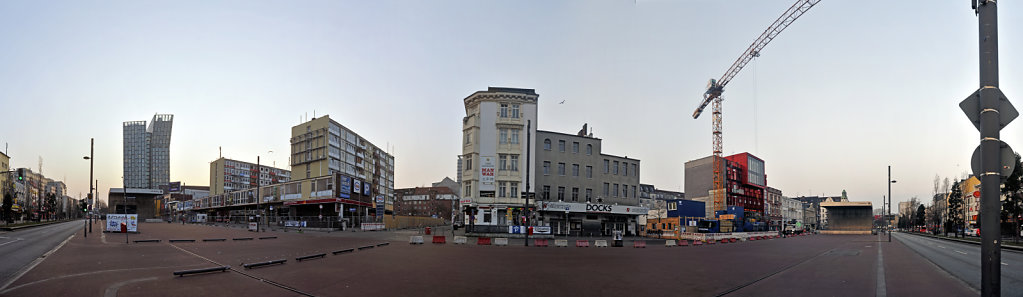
(919, 219)
(1011, 205)
(955, 206)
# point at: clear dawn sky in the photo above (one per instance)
(848, 89)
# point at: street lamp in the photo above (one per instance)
(88, 220)
(890, 182)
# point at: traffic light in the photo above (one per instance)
(21, 174)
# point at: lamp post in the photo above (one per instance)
(88, 220)
(890, 182)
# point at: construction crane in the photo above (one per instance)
(716, 87)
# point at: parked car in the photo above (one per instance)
(973, 232)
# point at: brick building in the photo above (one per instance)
(425, 202)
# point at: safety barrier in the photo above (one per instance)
(710, 241)
(540, 242)
(561, 243)
(214, 239)
(600, 243)
(383, 243)
(483, 241)
(683, 243)
(440, 239)
(723, 241)
(697, 242)
(582, 243)
(261, 264)
(242, 238)
(365, 247)
(639, 244)
(203, 270)
(460, 239)
(269, 237)
(181, 240)
(670, 243)
(417, 239)
(146, 240)
(500, 241)
(310, 257)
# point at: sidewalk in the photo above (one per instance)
(909, 274)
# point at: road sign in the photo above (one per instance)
(976, 194)
(1008, 161)
(971, 106)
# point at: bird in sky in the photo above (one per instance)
(562, 102)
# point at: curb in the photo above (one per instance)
(34, 225)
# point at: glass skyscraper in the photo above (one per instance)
(147, 152)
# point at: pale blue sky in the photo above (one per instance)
(850, 88)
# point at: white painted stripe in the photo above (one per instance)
(882, 288)
(961, 252)
(12, 241)
(1003, 263)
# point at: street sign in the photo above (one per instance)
(971, 106)
(1008, 161)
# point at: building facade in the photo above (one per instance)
(791, 213)
(745, 183)
(773, 208)
(147, 152)
(497, 124)
(599, 191)
(228, 175)
(325, 153)
(438, 202)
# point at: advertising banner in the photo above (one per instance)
(523, 229)
(592, 208)
(174, 187)
(114, 222)
(357, 187)
(487, 171)
(346, 187)
(366, 188)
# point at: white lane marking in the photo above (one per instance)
(33, 264)
(112, 290)
(1003, 263)
(941, 246)
(961, 252)
(12, 241)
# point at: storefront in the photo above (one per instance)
(589, 219)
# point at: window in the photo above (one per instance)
(561, 193)
(635, 169)
(514, 166)
(615, 187)
(589, 171)
(504, 110)
(561, 146)
(514, 136)
(607, 191)
(468, 162)
(502, 162)
(575, 147)
(575, 194)
(615, 168)
(589, 195)
(486, 217)
(634, 192)
(607, 166)
(575, 170)
(515, 111)
(546, 193)
(561, 168)
(503, 139)
(501, 186)
(514, 190)
(625, 191)
(625, 168)
(546, 167)
(546, 144)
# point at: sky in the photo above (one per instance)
(847, 90)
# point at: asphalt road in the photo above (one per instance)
(963, 260)
(20, 248)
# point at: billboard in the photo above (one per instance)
(487, 171)
(174, 187)
(345, 186)
(357, 187)
(114, 222)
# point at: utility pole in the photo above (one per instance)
(529, 149)
(92, 197)
(989, 110)
(257, 175)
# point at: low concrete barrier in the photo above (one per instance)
(440, 239)
(365, 247)
(500, 241)
(417, 239)
(383, 244)
(269, 237)
(483, 241)
(683, 243)
(243, 238)
(461, 239)
(310, 257)
(343, 251)
(561, 243)
(146, 240)
(600, 243)
(202, 270)
(181, 240)
(261, 264)
(540, 242)
(582, 243)
(214, 239)
(670, 243)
